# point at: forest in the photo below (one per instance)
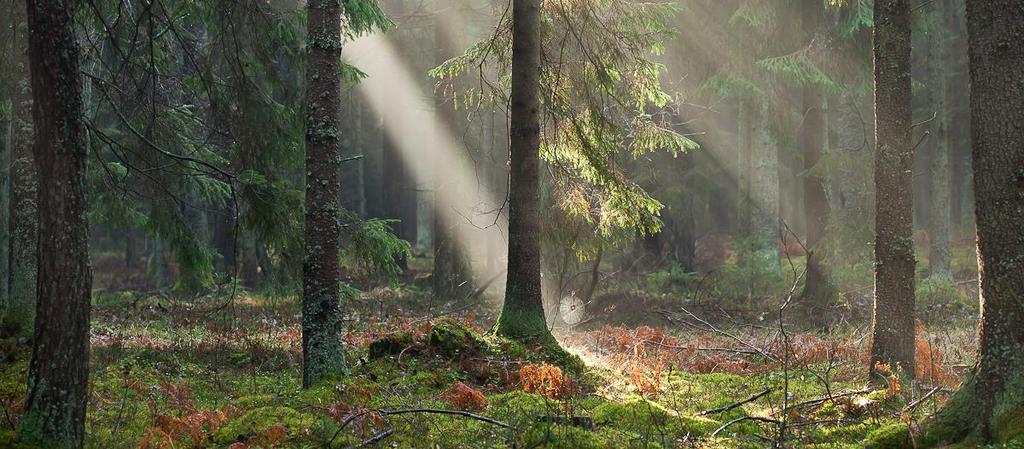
(341, 224)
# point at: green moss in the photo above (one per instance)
(518, 402)
(390, 344)
(1009, 425)
(258, 420)
(892, 436)
(647, 418)
(551, 436)
(254, 401)
(454, 339)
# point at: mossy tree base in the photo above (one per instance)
(967, 418)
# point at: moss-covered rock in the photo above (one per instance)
(390, 344)
(254, 401)
(892, 436)
(454, 339)
(256, 421)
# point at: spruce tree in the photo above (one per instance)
(893, 314)
(59, 369)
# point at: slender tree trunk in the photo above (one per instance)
(130, 254)
(522, 315)
(893, 314)
(989, 405)
(24, 184)
(939, 208)
(322, 353)
(764, 192)
(744, 115)
(451, 271)
(818, 290)
(399, 196)
(958, 107)
(59, 369)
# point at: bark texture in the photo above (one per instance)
(522, 316)
(24, 185)
(59, 369)
(893, 315)
(991, 405)
(322, 354)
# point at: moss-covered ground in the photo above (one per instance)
(215, 374)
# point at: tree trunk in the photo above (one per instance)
(522, 316)
(989, 405)
(5, 202)
(322, 353)
(24, 184)
(59, 369)
(764, 192)
(818, 290)
(451, 270)
(893, 315)
(399, 196)
(939, 208)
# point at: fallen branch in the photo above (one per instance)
(814, 402)
(735, 404)
(913, 405)
(445, 412)
(374, 439)
(741, 419)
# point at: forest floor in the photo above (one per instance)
(171, 373)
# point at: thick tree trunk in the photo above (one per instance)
(893, 315)
(24, 184)
(939, 208)
(818, 290)
(5, 203)
(322, 353)
(59, 370)
(522, 316)
(990, 404)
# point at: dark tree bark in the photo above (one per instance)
(522, 316)
(818, 290)
(893, 315)
(990, 405)
(7, 25)
(59, 370)
(24, 185)
(5, 206)
(322, 353)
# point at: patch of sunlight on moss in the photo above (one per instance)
(892, 436)
(256, 421)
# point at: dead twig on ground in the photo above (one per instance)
(736, 404)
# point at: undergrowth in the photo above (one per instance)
(210, 374)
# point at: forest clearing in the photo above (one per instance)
(270, 224)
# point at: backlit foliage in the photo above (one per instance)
(546, 380)
(602, 102)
